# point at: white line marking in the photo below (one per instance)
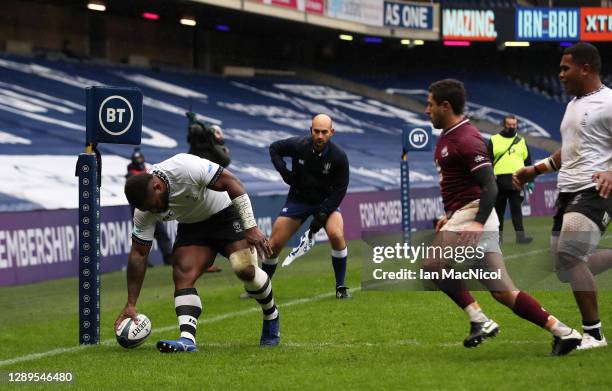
(366, 344)
(55, 352)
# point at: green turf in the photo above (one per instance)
(377, 340)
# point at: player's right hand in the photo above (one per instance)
(603, 183)
(471, 235)
(257, 239)
(522, 176)
(318, 222)
(441, 221)
(129, 311)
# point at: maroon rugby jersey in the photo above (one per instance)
(460, 151)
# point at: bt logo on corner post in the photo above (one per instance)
(114, 115)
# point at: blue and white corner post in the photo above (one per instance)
(114, 115)
(413, 139)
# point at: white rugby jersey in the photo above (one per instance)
(586, 133)
(190, 200)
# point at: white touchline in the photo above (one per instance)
(55, 352)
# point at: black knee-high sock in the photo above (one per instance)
(188, 308)
(339, 264)
(261, 290)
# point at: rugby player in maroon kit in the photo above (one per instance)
(468, 192)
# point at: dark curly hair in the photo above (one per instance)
(136, 189)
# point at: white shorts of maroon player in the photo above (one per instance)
(462, 218)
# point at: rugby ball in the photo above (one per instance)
(130, 335)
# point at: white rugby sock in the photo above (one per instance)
(475, 313)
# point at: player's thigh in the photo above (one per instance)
(435, 259)
(335, 225)
(282, 230)
(190, 263)
(494, 262)
(577, 240)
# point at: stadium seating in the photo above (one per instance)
(490, 96)
(549, 85)
(42, 113)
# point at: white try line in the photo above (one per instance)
(55, 352)
(364, 344)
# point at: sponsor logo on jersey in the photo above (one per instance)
(301, 162)
(326, 168)
(585, 118)
(479, 159)
(444, 151)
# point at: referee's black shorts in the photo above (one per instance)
(216, 232)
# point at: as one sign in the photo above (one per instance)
(408, 16)
(114, 115)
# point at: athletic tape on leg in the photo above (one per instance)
(241, 259)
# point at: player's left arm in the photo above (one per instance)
(603, 179)
(473, 153)
(528, 173)
(488, 194)
(331, 203)
(226, 181)
(490, 150)
(339, 186)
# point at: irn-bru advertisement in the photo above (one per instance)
(547, 24)
(527, 24)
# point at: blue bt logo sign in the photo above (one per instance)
(417, 139)
(114, 115)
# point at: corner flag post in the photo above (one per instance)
(113, 115)
(413, 139)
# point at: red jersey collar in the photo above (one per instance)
(463, 121)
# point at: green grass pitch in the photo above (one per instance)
(378, 340)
